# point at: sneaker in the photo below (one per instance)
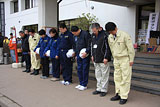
(67, 83)
(55, 79)
(82, 88)
(78, 86)
(62, 82)
(43, 77)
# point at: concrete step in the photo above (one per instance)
(137, 69)
(144, 63)
(143, 86)
(144, 70)
(136, 85)
(145, 76)
(147, 60)
(140, 74)
(140, 77)
(149, 56)
(147, 63)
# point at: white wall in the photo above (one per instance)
(124, 17)
(19, 19)
(70, 9)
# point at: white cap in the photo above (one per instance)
(70, 53)
(82, 51)
(48, 53)
(37, 50)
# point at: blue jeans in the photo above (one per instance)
(13, 56)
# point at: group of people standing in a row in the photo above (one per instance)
(79, 44)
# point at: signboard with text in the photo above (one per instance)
(152, 25)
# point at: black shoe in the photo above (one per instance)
(36, 72)
(115, 98)
(24, 71)
(32, 73)
(28, 71)
(123, 101)
(96, 92)
(102, 94)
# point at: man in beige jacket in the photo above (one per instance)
(123, 53)
(35, 60)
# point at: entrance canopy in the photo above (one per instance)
(126, 2)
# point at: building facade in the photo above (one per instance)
(20, 14)
(37, 14)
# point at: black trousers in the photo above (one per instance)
(67, 66)
(27, 60)
(45, 64)
(55, 67)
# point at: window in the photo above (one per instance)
(144, 12)
(15, 3)
(27, 4)
(35, 27)
(68, 23)
(30, 4)
(71, 22)
(34, 3)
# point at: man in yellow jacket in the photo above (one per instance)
(35, 60)
(123, 53)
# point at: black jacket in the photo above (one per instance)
(100, 47)
(1, 41)
(82, 41)
(25, 44)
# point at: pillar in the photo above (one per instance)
(47, 13)
(157, 9)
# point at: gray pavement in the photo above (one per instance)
(24, 90)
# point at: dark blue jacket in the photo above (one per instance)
(25, 44)
(53, 46)
(43, 42)
(83, 41)
(66, 41)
